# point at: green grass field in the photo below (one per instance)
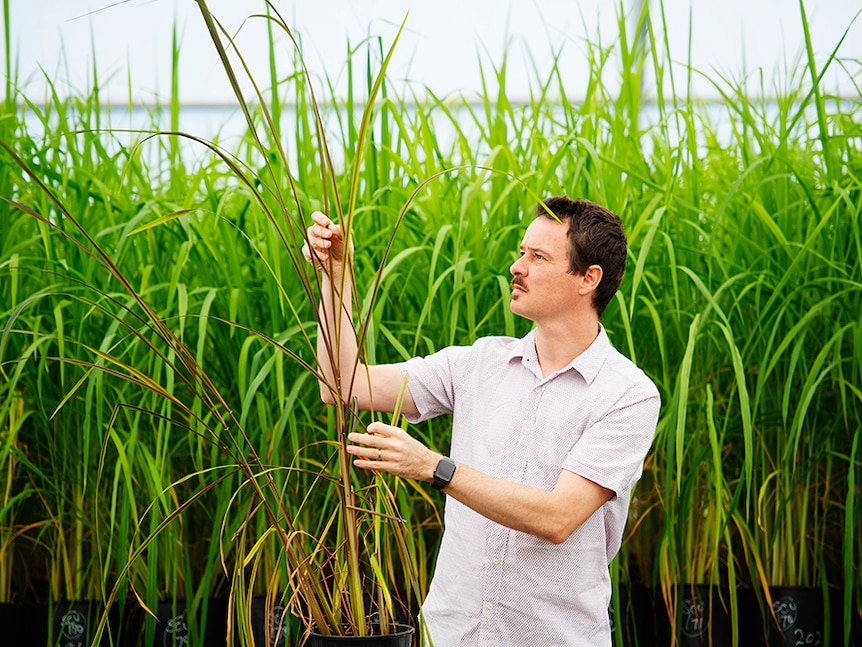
(161, 419)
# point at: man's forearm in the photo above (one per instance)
(341, 376)
(551, 515)
(336, 339)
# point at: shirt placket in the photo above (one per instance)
(498, 539)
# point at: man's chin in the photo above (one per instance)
(514, 307)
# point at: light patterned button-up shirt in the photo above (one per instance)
(496, 587)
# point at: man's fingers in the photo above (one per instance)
(318, 255)
(321, 219)
(362, 439)
(368, 448)
(377, 432)
(319, 238)
(380, 429)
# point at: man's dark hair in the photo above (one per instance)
(596, 237)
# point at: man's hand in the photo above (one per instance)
(393, 450)
(325, 245)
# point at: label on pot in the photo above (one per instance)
(786, 610)
(277, 629)
(693, 620)
(73, 626)
(176, 632)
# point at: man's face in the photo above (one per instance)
(542, 287)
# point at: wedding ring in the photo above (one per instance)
(379, 454)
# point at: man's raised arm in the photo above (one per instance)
(374, 387)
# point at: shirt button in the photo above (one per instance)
(489, 606)
(515, 474)
(526, 431)
(495, 561)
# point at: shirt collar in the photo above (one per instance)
(587, 364)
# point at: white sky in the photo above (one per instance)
(441, 47)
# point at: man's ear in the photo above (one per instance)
(592, 278)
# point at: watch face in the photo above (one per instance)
(443, 473)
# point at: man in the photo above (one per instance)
(549, 435)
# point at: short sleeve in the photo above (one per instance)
(612, 450)
(433, 380)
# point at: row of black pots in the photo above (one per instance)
(798, 617)
(75, 624)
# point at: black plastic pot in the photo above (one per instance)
(173, 628)
(11, 622)
(69, 624)
(797, 617)
(702, 617)
(643, 616)
(751, 619)
(838, 622)
(403, 637)
(269, 622)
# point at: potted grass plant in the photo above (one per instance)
(345, 545)
(355, 596)
(701, 606)
(852, 593)
(806, 427)
(14, 530)
(170, 558)
(65, 570)
(773, 344)
(696, 564)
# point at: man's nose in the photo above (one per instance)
(517, 267)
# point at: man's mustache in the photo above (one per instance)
(517, 280)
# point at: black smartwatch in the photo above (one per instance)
(443, 474)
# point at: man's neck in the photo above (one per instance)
(559, 343)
